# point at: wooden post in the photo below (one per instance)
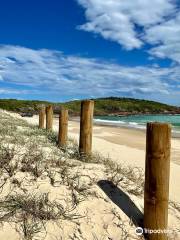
(86, 122)
(156, 196)
(49, 117)
(63, 127)
(42, 117)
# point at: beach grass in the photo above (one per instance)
(42, 185)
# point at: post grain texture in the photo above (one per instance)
(63, 128)
(157, 171)
(49, 117)
(86, 124)
(42, 113)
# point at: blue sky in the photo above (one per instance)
(63, 50)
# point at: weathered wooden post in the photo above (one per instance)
(157, 171)
(86, 123)
(49, 117)
(42, 114)
(63, 127)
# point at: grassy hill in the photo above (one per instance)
(20, 105)
(103, 106)
(113, 105)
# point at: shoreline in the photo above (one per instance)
(64, 179)
(123, 146)
(113, 124)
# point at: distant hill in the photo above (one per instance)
(123, 106)
(21, 105)
(103, 106)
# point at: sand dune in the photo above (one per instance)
(126, 146)
(110, 205)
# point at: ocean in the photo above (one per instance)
(139, 121)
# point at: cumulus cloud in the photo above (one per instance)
(166, 36)
(51, 72)
(135, 23)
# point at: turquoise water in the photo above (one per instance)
(139, 121)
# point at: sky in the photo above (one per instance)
(61, 50)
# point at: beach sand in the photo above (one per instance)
(125, 146)
(111, 204)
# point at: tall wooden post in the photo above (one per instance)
(42, 117)
(157, 172)
(49, 117)
(63, 127)
(86, 123)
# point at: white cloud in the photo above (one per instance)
(132, 23)
(167, 38)
(9, 91)
(45, 72)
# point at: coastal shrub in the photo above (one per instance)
(37, 132)
(7, 154)
(130, 178)
(30, 212)
(103, 106)
(39, 160)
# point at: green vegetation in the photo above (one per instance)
(30, 160)
(20, 105)
(103, 106)
(113, 105)
(51, 193)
